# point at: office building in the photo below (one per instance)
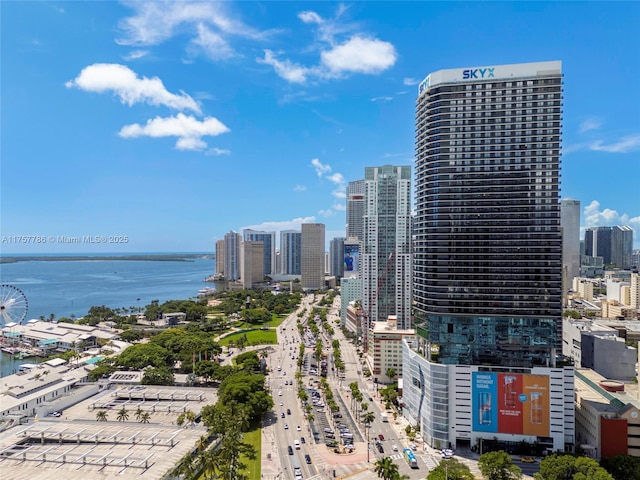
(350, 293)
(570, 223)
(385, 258)
(336, 257)
(613, 244)
(385, 350)
(220, 257)
(488, 245)
(269, 241)
(312, 260)
(232, 244)
(355, 209)
(290, 252)
(252, 264)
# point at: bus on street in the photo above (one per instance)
(410, 458)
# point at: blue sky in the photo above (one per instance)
(173, 123)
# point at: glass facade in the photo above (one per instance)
(488, 246)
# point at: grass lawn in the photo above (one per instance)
(253, 437)
(254, 337)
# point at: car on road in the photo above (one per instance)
(380, 449)
(528, 460)
(337, 415)
(282, 415)
(288, 411)
(279, 393)
(381, 436)
(298, 428)
(307, 459)
(394, 448)
(371, 399)
(413, 447)
(290, 450)
(302, 440)
(282, 404)
(286, 426)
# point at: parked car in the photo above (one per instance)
(307, 459)
(528, 460)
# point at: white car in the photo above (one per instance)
(282, 404)
(298, 428)
(280, 393)
(286, 426)
(394, 448)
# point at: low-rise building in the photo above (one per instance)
(607, 418)
(385, 348)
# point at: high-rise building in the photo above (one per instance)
(488, 261)
(313, 256)
(385, 257)
(232, 244)
(252, 263)
(570, 223)
(488, 245)
(336, 257)
(269, 241)
(355, 209)
(290, 252)
(613, 244)
(220, 257)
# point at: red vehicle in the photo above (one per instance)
(381, 436)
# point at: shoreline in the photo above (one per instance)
(160, 257)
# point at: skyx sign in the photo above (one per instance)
(478, 73)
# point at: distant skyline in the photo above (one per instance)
(171, 124)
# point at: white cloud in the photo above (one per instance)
(156, 22)
(285, 69)
(594, 216)
(276, 226)
(218, 151)
(339, 193)
(627, 144)
(589, 124)
(188, 129)
(320, 168)
(360, 55)
(136, 54)
(125, 83)
(340, 207)
(310, 17)
(336, 178)
(212, 43)
(299, 188)
(327, 213)
(410, 81)
(381, 99)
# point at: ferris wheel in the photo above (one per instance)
(13, 305)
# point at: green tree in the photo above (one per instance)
(570, 467)
(450, 469)
(101, 416)
(386, 469)
(141, 355)
(622, 467)
(145, 417)
(391, 373)
(498, 466)
(123, 415)
(139, 413)
(158, 376)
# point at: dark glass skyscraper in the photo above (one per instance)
(488, 244)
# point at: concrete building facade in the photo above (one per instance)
(313, 255)
(355, 209)
(570, 224)
(613, 244)
(269, 241)
(232, 246)
(220, 257)
(252, 264)
(336, 257)
(386, 258)
(385, 349)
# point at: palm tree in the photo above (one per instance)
(386, 469)
(101, 416)
(190, 417)
(123, 415)
(391, 373)
(139, 413)
(144, 418)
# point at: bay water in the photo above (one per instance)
(66, 287)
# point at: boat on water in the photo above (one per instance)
(206, 291)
